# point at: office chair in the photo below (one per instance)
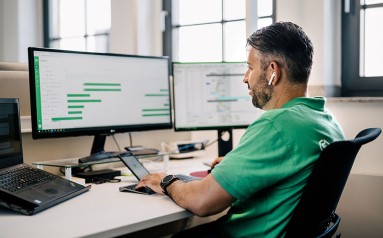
(315, 214)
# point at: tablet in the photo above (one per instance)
(133, 164)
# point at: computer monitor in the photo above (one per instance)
(77, 93)
(212, 96)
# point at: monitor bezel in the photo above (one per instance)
(90, 131)
(202, 128)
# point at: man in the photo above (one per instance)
(261, 180)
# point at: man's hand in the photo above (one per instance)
(152, 181)
(216, 161)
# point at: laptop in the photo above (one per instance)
(139, 171)
(24, 188)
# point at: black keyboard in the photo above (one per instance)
(23, 177)
(132, 188)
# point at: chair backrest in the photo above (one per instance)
(325, 185)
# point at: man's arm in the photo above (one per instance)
(202, 197)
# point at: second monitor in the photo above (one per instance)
(212, 96)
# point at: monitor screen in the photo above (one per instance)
(81, 93)
(10, 133)
(211, 96)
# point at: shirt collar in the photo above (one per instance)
(317, 103)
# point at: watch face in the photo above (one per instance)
(167, 178)
(166, 181)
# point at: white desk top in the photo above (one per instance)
(103, 211)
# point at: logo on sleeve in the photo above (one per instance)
(323, 144)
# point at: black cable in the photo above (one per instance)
(207, 145)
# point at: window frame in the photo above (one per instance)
(168, 26)
(352, 83)
(47, 39)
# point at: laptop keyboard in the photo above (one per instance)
(23, 177)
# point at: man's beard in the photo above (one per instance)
(262, 92)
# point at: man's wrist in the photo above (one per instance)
(167, 181)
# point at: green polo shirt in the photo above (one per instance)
(267, 171)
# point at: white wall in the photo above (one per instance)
(308, 14)
(2, 25)
(20, 27)
(320, 19)
(355, 116)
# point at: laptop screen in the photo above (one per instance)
(10, 134)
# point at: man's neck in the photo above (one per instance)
(282, 95)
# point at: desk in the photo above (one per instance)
(103, 211)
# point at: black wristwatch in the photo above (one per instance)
(166, 181)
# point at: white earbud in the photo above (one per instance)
(271, 78)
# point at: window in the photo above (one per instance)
(362, 48)
(77, 24)
(210, 31)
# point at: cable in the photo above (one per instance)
(207, 145)
(131, 141)
(115, 141)
(192, 145)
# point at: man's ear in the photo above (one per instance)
(275, 73)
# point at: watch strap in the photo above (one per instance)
(167, 184)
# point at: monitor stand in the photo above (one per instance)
(97, 147)
(225, 141)
(97, 152)
(98, 144)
